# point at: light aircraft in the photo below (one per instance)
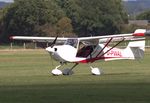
(90, 49)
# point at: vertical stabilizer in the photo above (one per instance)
(135, 49)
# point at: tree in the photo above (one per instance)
(26, 17)
(54, 17)
(64, 26)
(95, 17)
(144, 16)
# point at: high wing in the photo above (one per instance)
(139, 34)
(39, 39)
(102, 39)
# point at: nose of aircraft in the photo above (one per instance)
(51, 49)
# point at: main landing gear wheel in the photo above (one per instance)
(96, 71)
(67, 71)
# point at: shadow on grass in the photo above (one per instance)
(76, 93)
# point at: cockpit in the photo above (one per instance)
(84, 48)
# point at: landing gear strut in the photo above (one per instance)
(67, 71)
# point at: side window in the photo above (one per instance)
(72, 42)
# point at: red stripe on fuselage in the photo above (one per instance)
(98, 58)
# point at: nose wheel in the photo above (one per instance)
(57, 72)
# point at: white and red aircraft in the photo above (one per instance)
(91, 49)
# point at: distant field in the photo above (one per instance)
(25, 78)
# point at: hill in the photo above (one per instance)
(136, 6)
(3, 4)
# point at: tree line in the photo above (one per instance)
(62, 18)
(144, 16)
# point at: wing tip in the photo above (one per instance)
(142, 33)
(138, 34)
(11, 37)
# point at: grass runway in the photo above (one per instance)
(25, 78)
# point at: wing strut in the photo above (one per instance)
(104, 47)
(109, 49)
(113, 47)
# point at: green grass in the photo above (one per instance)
(25, 78)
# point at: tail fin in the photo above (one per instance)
(136, 49)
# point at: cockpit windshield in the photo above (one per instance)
(72, 42)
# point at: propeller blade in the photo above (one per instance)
(53, 43)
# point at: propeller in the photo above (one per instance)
(53, 43)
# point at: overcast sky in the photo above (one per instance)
(129, 0)
(12, 0)
(7, 0)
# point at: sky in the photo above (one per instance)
(7, 0)
(129, 0)
(12, 0)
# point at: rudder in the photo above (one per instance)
(137, 49)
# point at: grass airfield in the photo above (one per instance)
(25, 78)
